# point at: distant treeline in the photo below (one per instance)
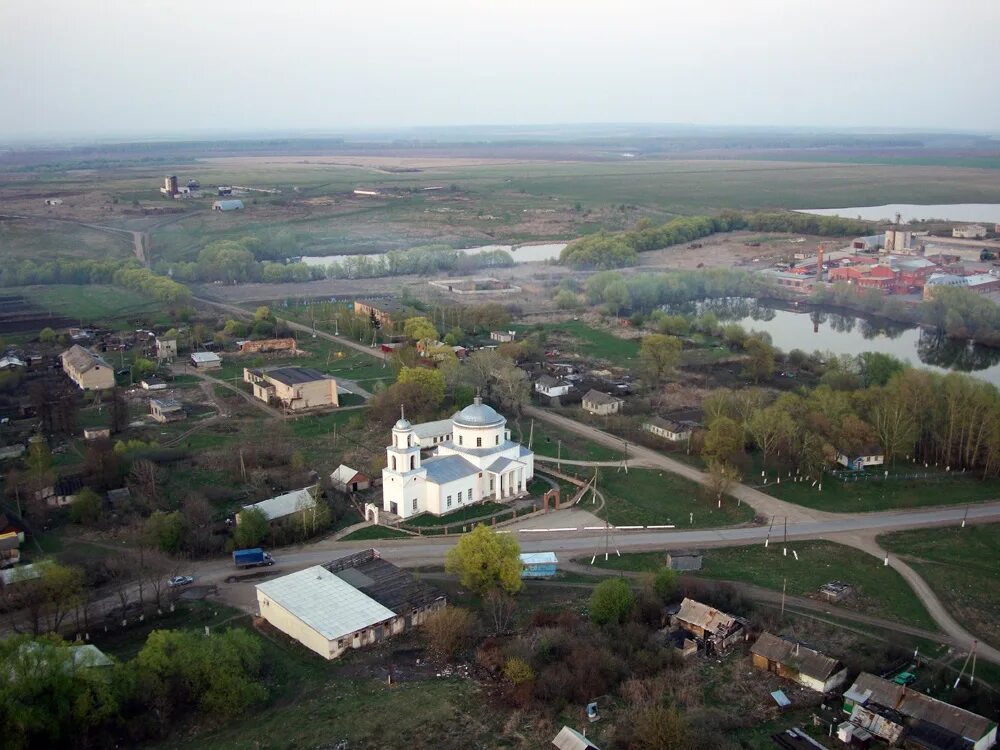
(644, 293)
(605, 250)
(128, 274)
(250, 259)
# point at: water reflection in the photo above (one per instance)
(839, 333)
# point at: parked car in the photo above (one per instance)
(180, 581)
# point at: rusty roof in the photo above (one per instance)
(803, 659)
(705, 617)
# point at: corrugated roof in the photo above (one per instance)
(166, 404)
(443, 469)
(324, 602)
(89, 655)
(81, 360)
(295, 375)
(668, 424)
(538, 558)
(919, 706)
(205, 357)
(501, 464)
(570, 739)
(705, 617)
(390, 586)
(803, 659)
(285, 505)
(345, 474)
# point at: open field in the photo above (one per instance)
(963, 568)
(576, 337)
(872, 495)
(95, 304)
(547, 440)
(648, 497)
(881, 590)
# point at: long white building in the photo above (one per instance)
(478, 462)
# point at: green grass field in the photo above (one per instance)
(375, 532)
(962, 566)
(882, 592)
(650, 498)
(464, 514)
(96, 304)
(546, 439)
(592, 342)
(838, 496)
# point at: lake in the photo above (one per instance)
(984, 212)
(520, 253)
(848, 334)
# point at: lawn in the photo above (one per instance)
(316, 425)
(881, 591)
(546, 439)
(375, 532)
(463, 514)
(962, 566)
(650, 498)
(593, 342)
(98, 304)
(934, 487)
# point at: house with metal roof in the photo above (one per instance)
(668, 428)
(712, 629)
(346, 479)
(798, 662)
(233, 204)
(538, 564)
(206, 360)
(896, 713)
(350, 602)
(597, 402)
(89, 371)
(166, 410)
(570, 739)
(293, 388)
(477, 461)
(279, 507)
(431, 434)
(552, 387)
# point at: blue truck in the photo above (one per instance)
(251, 558)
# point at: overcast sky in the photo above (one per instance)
(154, 67)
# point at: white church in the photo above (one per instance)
(478, 462)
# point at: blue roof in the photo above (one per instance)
(478, 414)
(538, 558)
(444, 469)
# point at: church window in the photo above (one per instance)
(414, 505)
(411, 463)
(393, 463)
(459, 439)
(479, 442)
(498, 440)
(449, 501)
(470, 494)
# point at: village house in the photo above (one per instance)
(293, 388)
(596, 402)
(479, 462)
(896, 713)
(165, 410)
(351, 602)
(861, 459)
(715, 631)
(798, 663)
(89, 371)
(166, 348)
(503, 337)
(346, 479)
(96, 433)
(668, 429)
(206, 360)
(282, 506)
(552, 387)
(570, 739)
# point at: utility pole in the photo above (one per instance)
(784, 584)
(558, 453)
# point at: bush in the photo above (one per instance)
(518, 671)
(611, 601)
(448, 631)
(86, 509)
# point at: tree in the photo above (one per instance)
(419, 402)
(431, 381)
(721, 478)
(723, 440)
(262, 313)
(165, 530)
(501, 608)
(611, 601)
(664, 583)
(420, 329)
(251, 528)
(449, 630)
(760, 358)
(86, 508)
(659, 355)
(661, 728)
(769, 428)
(567, 300)
(48, 336)
(485, 561)
(141, 367)
(878, 368)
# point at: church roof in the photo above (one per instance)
(444, 469)
(501, 464)
(478, 414)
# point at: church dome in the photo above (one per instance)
(478, 414)
(402, 424)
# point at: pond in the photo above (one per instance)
(520, 253)
(816, 329)
(983, 212)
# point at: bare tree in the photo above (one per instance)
(145, 476)
(501, 609)
(121, 574)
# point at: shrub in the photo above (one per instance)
(448, 631)
(611, 601)
(518, 671)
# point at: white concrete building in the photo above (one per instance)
(432, 434)
(552, 387)
(969, 232)
(479, 462)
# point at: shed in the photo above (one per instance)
(570, 739)
(153, 384)
(684, 559)
(284, 505)
(206, 360)
(233, 204)
(166, 410)
(538, 564)
(597, 402)
(96, 433)
(798, 663)
(346, 479)
(716, 630)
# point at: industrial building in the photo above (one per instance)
(292, 388)
(351, 602)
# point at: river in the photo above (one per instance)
(983, 212)
(520, 253)
(847, 334)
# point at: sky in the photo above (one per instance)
(161, 67)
